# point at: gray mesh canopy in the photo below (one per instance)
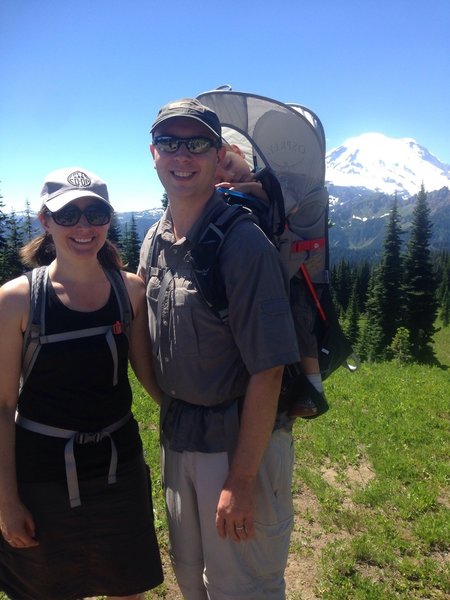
(288, 138)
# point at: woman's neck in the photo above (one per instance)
(84, 288)
(88, 271)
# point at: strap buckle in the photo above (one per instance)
(117, 328)
(89, 437)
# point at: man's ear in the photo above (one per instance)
(152, 150)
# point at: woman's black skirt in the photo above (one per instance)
(106, 546)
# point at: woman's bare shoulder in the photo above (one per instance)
(132, 281)
(135, 288)
(15, 288)
(15, 299)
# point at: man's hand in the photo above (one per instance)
(235, 510)
(237, 503)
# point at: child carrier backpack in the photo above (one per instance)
(35, 335)
(284, 145)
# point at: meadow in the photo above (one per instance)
(371, 486)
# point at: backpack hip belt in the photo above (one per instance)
(78, 437)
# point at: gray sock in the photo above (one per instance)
(316, 380)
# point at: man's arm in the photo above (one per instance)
(139, 339)
(236, 505)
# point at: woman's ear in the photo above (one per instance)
(43, 219)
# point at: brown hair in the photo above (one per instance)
(41, 251)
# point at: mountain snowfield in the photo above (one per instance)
(384, 164)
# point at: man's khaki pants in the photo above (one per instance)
(208, 567)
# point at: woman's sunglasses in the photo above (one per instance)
(96, 214)
(195, 145)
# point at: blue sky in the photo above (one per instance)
(81, 81)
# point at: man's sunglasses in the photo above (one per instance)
(171, 144)
(96, 214)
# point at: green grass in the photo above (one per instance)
(371, 486)
(386, 442)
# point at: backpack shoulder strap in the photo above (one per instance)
(118, 285)
(205, 253)
(152, 251)
(277, 216)
(36, 320)
(222, 222)
(35, 334)
(203, 256)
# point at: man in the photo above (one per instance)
(227, 461)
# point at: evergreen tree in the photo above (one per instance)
(385, 314)
(114, 232)
(342, 283)
(401, 346)
(27, 227)
(3, 274)
(164, 200)
(362, 278)
(372, 346)
(124, 242)
(420, 283)
(444, 296)
(389, 289)
(131, 246)
(13, 265)
(445, 308)
(441, 263)
(352, 321)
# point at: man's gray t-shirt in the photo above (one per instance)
(197, 357)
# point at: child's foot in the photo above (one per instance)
(303, 408)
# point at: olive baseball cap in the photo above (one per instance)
(190, 108)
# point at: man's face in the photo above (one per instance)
(182, 173)
(233, 168)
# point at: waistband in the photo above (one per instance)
(77, 437)
(199, 428)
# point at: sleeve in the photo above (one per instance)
(257, 290)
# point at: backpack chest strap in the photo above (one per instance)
(36, 341)
(74, 335)
(77, 437)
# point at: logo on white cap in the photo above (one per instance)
(79, 179)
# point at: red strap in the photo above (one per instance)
(303, 245)
(117, 328)
(312, 289)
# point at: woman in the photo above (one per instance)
(73, 522)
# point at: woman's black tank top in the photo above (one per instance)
(71, 386)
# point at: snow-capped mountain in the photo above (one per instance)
(384, 164)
